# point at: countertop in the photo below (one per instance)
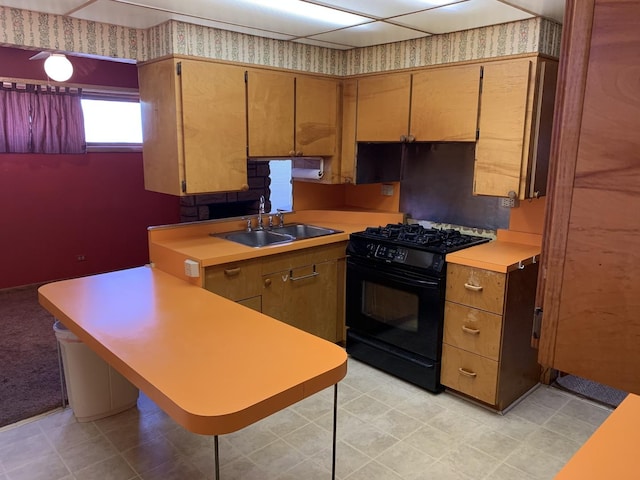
(213, 365)
(508, 252)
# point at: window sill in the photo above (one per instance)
(114, 147)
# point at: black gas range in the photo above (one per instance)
(410, 246)
(395, 298)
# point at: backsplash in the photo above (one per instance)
(23, 28)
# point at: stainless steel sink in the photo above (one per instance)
(258, 238)
(301, 231)
(277, 235)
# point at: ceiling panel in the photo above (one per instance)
(374, 33)
(282, 16)
(119, 14)
(385, 8)
(318, 43)
(58, 7)
(553, 9)
(462, 16)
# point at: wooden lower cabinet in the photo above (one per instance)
(304, 297)
(304, 288)
(486, 350)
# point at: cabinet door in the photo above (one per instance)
(316, 116)
(213, 119)
(161, 122)
(236, 281)
(444, 104)
(500, 149)
(304, 297)
(383, 108)
(270, 114)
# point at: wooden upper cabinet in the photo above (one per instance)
(516, 110)
(444, 104)
(270, 113)
(383, 108)
(193, 120)
(317, 107)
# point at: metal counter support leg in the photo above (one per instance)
(216, 454)
(216, 458)
(335, 428)
(60, 369)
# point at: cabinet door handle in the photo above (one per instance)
(470, 331)
(267, 282)
(473, 288)
(231, 272)
(467, 373)
(295, 279)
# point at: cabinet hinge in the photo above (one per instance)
(183, 185)
(179, 68)
(537, 323)
(482, 72)
(477, 133)
(246, 76)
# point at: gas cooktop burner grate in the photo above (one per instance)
(417, 236)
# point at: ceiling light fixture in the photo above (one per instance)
(311, 10)
(58, 67)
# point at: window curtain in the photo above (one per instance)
(15, 130)
(38, 119)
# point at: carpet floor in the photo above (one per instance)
(30, 375)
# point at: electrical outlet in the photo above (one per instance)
(191, 268)
(387, 189)
(509, 202)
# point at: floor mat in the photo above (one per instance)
(595, 391)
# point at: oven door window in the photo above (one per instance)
(390, 306)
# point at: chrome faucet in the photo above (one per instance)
(280, 216)
(260, 213)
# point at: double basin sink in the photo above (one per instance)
(277, 235)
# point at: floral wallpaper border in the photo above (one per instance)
(27, 29)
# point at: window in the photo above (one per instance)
(281, 195)
(112, 123)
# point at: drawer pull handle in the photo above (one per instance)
(470, 331)
(467, 373)
(295, 279)
(231, 272)
(474, 288)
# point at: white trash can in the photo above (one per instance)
(95, 390)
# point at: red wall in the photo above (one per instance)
(56, 207)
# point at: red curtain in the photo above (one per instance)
(41, 120)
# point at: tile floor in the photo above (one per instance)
(387, 429)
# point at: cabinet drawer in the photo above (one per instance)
(303, 257)
(473, 330)
(475, 287)
(236, 281)
(470, 374)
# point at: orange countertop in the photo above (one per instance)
(611, 451)
(171, 245)
(497, 256)
(213, 365)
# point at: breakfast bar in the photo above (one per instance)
(212, 365)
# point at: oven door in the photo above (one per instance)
(395, 306)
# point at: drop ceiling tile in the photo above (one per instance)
(280, 17)
(553, 9)
(462, 16)
(57, 7)
(121, 14)
(374, 33)
(385, 8)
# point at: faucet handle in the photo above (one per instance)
(261, 207)
(280, 215)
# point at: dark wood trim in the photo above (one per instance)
(574, 62)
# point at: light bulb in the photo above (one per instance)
(58, 67)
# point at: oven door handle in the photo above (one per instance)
(411, 281)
